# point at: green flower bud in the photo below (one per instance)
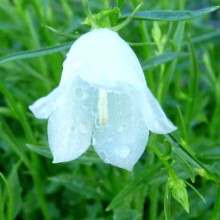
(179, 192)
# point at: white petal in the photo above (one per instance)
(155, 117)
(72, 66)
(123, 139)
(102, 58)
(70, 125)
(45, 105)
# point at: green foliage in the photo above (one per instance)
(167, 15)
(180, 59)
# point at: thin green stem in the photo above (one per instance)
(10, 201)
(128, 20)
(160, 156)
(154, 202)
(36, 168)
(89, 14)
(216, 211)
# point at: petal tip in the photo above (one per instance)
(38, 111)
(163, 126)
(61, 160)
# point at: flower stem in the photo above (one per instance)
(89, 14)
(128, 20)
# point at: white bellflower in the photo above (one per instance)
(103, 100)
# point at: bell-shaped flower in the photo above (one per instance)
(103, 100)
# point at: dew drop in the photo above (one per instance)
(73, 128)
(79, 92)
(85, 107)
(123, 152)
(93, 112)
(104, 156)
(121, 128)
(109, 139)
(97, 125)
(93, 141)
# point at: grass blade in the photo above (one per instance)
(178, 15)
(35, 53)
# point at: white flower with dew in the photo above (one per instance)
(103, 100)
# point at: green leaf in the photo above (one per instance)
(157, 60)
(16, 189)
(80, 184)
(205, 37)
(195, 190)
(40, 149)
(2, 215)
(120, 4)
(141, 44)
(125, 214)
(35, 53)
(216, 212)
(131, 187)
(10, 197)
(89, 158)
(170, 15)
(167, 205)
(190, 157)
(69, 36)
(193, 85)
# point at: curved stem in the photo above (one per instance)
(89, 14)
(128, 20)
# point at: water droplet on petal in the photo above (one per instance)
(85, 107)
(109, 139)
(123, 151)
(104, 156)
(79, 92)
(121, 128)
(93, 141)
(93, 112)
(97, 123)
(73, 128)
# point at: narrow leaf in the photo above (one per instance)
(80, 184)
(167, 201)
(189, 156)
(157, 60)
(170, 15)
(216, 211)
(35, 53)
(196, 191)
(69, 36)
(120, 4)
(193, 84)
(131, 187)
(16, 190)
(41, 150)
(88, 158)
(10, 198)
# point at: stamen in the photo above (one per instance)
(103, 107)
